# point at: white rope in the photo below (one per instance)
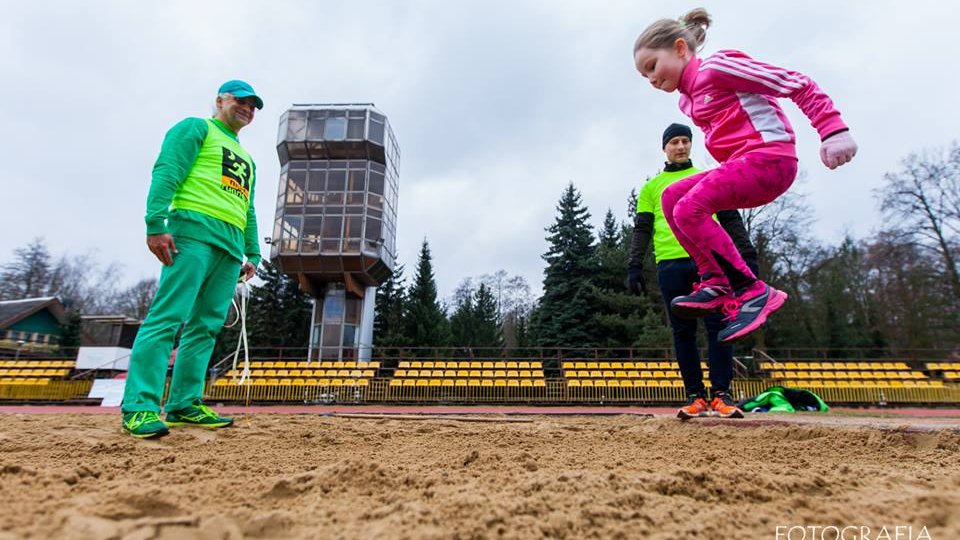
(243, 292)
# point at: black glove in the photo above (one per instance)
(636, 282)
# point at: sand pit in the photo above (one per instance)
(74, 476)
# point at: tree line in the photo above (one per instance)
(894, 291)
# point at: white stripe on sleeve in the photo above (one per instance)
(780, 78)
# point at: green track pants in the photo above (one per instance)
(196, 289)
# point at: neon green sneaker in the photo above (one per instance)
(144, 424)
(197, 414)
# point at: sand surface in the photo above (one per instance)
(75, 476)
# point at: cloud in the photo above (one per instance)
(497, 106)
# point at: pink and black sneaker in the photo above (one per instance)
(705, 299)
(748, 311)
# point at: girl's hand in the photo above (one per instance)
(837, 149)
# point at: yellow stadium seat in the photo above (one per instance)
(499, 382)
(500, 374)
(578, 365)
(475, 373)
(286, 382)
(539, 382)
(524, 382)
(613, 383)
(463, 373)
(460, 382)
(537, 373)
(410, 382)
(486, 382)
(427, 365)
(299, 382)
(513, 374)
(527, 374)
(435, 382)
(487, 365)
(629, 365)
(473, 382)
(513, 365)
(423, 382)
(440, 365)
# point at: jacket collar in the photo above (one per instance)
(670, 166)
(689, 75)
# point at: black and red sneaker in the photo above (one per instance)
(748, 311)
(705, 299)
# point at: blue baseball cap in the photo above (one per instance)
(240, 89)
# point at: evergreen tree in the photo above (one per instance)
(70, 335)
(486, 319)
(278, 316)
(424, 319)
(388, 321)
(566, 308)
(622, 319)
(463, 320)
(279, 312)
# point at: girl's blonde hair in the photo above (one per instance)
(662, 34)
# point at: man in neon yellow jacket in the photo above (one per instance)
(201, 225)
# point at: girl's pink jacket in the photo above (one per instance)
(733, 99)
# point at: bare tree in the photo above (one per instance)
(28, 276)
(787, 252)
(921, 204)
(135, 301)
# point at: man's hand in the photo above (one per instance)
(636, 282)
(163, 247)
(247, 271)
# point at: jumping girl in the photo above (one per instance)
(733, 99)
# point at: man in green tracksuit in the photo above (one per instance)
(201, 225)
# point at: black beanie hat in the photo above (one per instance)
(676, 130)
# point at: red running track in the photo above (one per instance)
(461, 410)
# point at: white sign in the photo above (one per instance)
(111, 390)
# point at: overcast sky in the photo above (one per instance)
(496, 105)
